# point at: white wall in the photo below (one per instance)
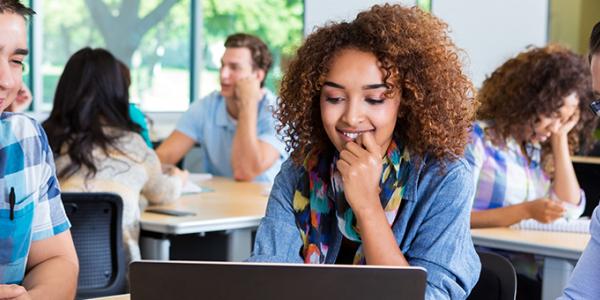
(319, 12)
(491, 31)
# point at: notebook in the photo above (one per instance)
(197, 177)
(560, 225)
(190, 187)
(153, 280)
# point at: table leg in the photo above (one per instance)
(155, 248)
(239, 244)
(556, 274)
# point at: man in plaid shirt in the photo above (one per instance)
(37, 256)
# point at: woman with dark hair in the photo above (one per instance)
(529, 126)
(97, 146)
(533, 110)
(376, 112)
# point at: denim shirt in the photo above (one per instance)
(432, 228)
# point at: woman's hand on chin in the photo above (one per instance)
(361, 167)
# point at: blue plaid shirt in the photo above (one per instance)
(27, 167)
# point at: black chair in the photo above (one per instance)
(497, 280)
(97, 235)
(588, 173)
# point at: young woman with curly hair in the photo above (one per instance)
(376, 113)
(528, 128)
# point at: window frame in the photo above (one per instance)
(164, 122)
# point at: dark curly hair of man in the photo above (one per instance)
(534, 84)
(418, 61)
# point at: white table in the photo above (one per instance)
(235, 207)
(560, 250)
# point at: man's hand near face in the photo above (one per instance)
(247, 94)
(249, 156)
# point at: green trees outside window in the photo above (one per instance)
(154, 37)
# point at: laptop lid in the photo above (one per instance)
(151, 280)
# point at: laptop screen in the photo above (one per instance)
(224, 280)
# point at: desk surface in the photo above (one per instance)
(547, 243)
(586, 159)
(232, 205)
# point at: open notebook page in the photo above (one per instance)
(191, 186)
(560, 225)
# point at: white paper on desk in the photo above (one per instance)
(560, 225)
(197, 177)
(191, 188)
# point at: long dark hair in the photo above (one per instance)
(91, 93)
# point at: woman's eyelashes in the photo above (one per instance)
(333, 100)
(373, 101)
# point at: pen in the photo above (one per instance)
(11, 202)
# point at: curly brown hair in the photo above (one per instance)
(418, 60)
(534, 84)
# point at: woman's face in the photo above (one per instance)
(548, 125)
(353, 102)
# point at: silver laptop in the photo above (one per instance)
(149, 280)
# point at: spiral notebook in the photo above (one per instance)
(560, 225)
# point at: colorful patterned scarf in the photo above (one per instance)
(321, 198)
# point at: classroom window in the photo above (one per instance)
(277, 22)
(157, 39)
(150, 36)
(424, 5)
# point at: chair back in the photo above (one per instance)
(97, 234)
(497, 280)
(587, 170)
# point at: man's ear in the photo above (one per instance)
(260, 75)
